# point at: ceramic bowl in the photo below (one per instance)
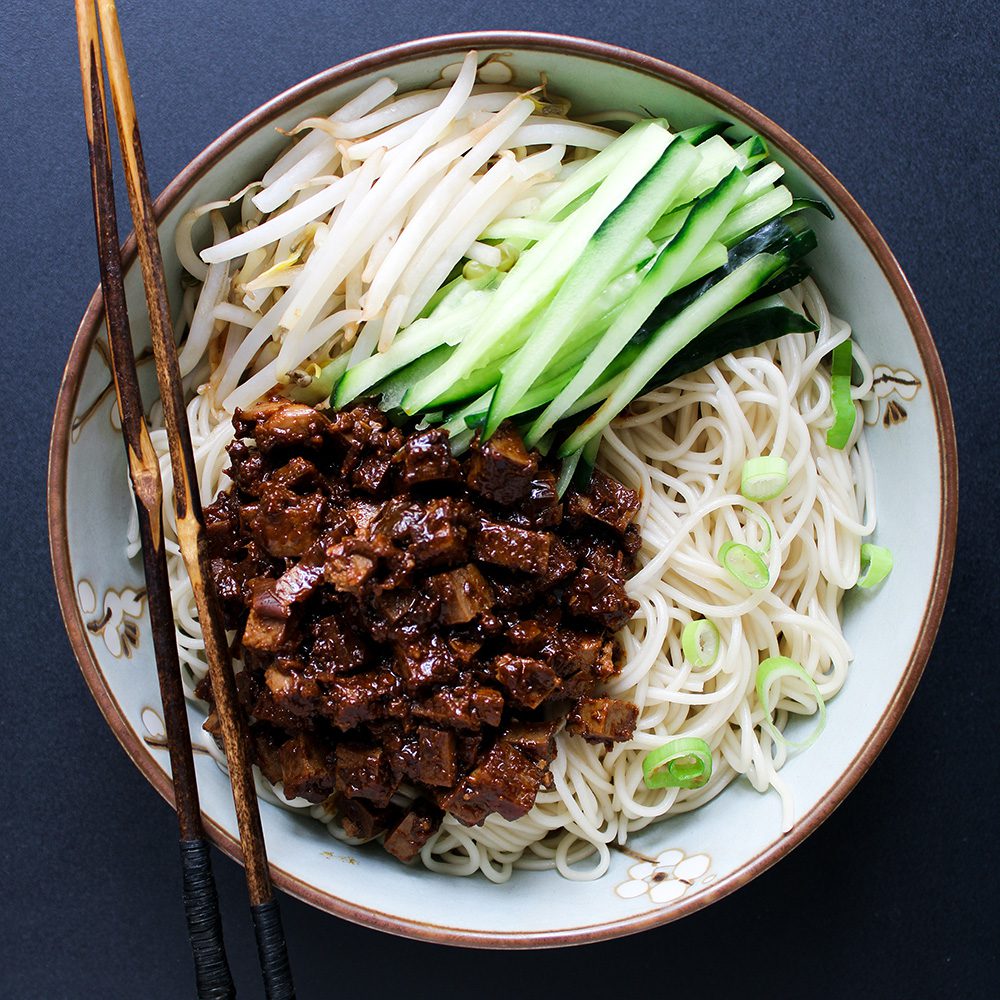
(676, 866)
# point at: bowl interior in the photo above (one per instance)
(720, 845)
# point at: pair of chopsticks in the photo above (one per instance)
(213, 976)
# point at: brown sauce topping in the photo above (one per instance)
(406, 617)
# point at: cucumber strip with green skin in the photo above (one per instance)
(788, 235)
(588, 459)
(461, 304)
(675, 334)
(710, 259)
(753, 150)
(545, 445)
(448, 291)
(457, 289)
(557, 376)
(596, 170)
(529, 230)
(732, 333)
(663, 278)
(713, 256)
(424, 335)
(757, 321)
(459, 442)
(474, 414)
(699, 133)
(465, 418)
(608, 251)
(539, 271)
(759, 182)
(600, 314)
(754, 214)
(817, 203)
(392, 389)
(718, 158)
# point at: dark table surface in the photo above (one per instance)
(896, 895)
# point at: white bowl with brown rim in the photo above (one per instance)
(676, 866)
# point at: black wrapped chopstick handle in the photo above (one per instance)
(201, 905)
(272, 951)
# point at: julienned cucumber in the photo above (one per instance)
(754, 214)
(699, 133)
(539, 271)
(423, 336)
(559, 372)
(699, 227)
(604, 257)
(599, 314)
(699, 249)
(674, 335)
(392, 389)
(760, 322)
(596, 170)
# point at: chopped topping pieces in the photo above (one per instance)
(306, 768)
(463, 593)
(502, 470)
(528, 682)
(407, 838)
(361, 820)
(603, 720)
(513, 548)
(408, 617)
(427, 459)
(602, 598)
(608, 503)
(337, 648)
(286, 524)
(364, 773)
(505, 782)
(349, 565)
(288, 424)
(435, 762)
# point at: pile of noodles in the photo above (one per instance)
(682, 447)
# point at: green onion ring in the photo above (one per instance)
(681, 763)
(844, 413)
(774, 668)
(700, 642)
(744, 564)
(766, 530)
(764, 477)
(876, 565)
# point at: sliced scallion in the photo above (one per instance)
(844, 413)
(773, 669)
(681, 763)
(876, 564)
(700, 643)
(764, 477)
(744, 565)
(766, 530)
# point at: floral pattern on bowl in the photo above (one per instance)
(667, 877)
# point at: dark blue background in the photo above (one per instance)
(895, 895)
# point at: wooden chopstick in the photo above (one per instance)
(190, 522)
(201, 902)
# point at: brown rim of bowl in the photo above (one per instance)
(834, 190)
